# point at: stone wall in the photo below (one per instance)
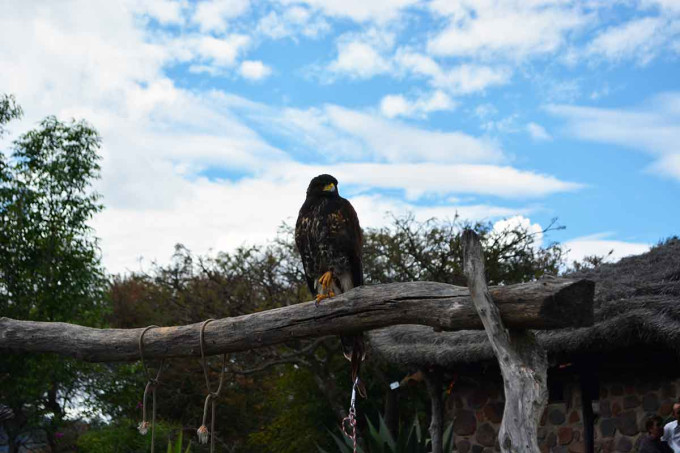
(624, 407)
(476, 409)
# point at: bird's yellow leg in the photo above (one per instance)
(326, 280)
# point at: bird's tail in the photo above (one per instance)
(354, 350)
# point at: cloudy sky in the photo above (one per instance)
(216, 114)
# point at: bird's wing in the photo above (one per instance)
(302, 241)
(350, 240)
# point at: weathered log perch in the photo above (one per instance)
(546, 304)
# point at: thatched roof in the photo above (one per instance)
(637, 301)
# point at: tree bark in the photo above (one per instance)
(545, 304)
(522, 360)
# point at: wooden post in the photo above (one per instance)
(522, 360)
(588, 382)
(433, 381)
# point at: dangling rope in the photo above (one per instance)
(203, 432)
(351, 417)
(151, 384)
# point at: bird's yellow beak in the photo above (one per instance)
(329, 188)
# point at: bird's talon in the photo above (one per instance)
(319, 298)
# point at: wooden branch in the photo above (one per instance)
(545, 304)
(523, 362)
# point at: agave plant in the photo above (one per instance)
(177, 447)
(411, 440)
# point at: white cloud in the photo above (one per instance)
(341, 134)
(421, 179)
(221, 52)
(114, 59)
(418, 160)
(205, 69)
(601, 93)
(214, 15)
(491, 37)
(398, 142)
(501, 229)
(160, 140)
(470, 78)
(598, 245)
(293, 21)
(365, 55)
(254, 70)
(194, 218)
(668, 166)
(166, 12)
(117, 83)
(538, 132)
(372, 210)
(360, 55)
(418, 63)
(654, 128)
(206, 53)
(639, 39)
(202, 224)
(397, 105)
(555, 90)
(485, 111)
(509, 29)
(358, 60)
(380, 11)
(202, 217)
(667, 6)
(507, 125)
(461, 79)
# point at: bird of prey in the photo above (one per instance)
(328, 237)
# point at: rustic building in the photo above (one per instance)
(603, 380)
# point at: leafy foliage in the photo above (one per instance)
(590, 262)
(295, 412)
(408, 250)
(49, 259)
(122, 437)
(9, 110)
(410, 439)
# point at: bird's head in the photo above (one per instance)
(323, 186)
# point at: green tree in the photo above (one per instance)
(49, 259)
(409, 250)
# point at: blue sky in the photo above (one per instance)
(215, 114)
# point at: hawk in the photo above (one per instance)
(328, 237)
